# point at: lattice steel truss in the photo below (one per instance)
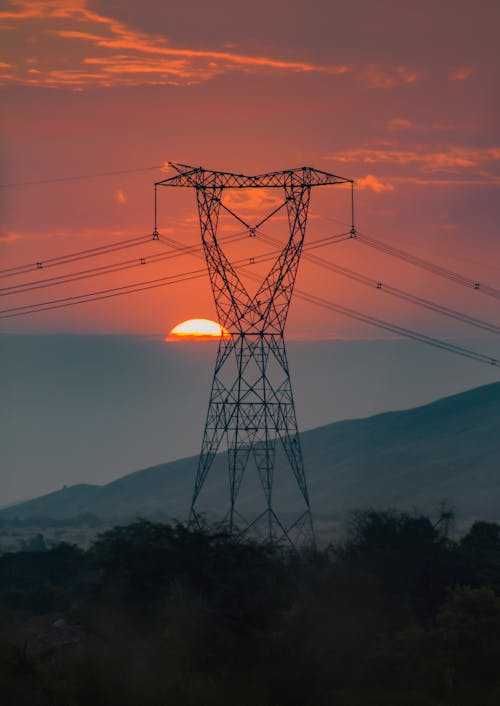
(251, 407)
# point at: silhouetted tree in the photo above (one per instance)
(407, 555)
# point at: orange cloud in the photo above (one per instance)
(120, 196)
(405, 75)
(376, 77)
(100, 51)
(452, 159)
(10, 237)
(373, 184)
(460, 74)
(252, 200)
(399, 124)
(491, 180)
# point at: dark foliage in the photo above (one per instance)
(41, 581)
(154, 614)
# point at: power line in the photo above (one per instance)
(176, 245)
(393, 328)
(88, 253)
(181, 249)
(429, 266)
(106, 269)
(87, 274)
(244, 264)
(406, 296)
(400, 330)
(75, 256)
(79, 177)
(97, 295)
(109, 294)
(423, 263)
(394, 291)
(425, 246)
(89, 296)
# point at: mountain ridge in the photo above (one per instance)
(447, 449)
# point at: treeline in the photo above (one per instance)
(397, 614)
(85, 519)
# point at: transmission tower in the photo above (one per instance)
(251, 409)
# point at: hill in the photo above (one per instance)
(448, 449)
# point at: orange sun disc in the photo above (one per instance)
(198, 330)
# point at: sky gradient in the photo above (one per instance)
(403, 97)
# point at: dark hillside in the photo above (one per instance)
(445, 450)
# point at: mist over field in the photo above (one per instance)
(90, 409)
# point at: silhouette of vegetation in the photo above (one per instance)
(397, 613)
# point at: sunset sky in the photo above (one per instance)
(401, 96)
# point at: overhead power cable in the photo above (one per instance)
(399, 330)
(76, 256)
(244, 264)
(177, 246)
(106, 269)
(79, 177)
(105, 293)
(394, 291)
(429, 266)
(393, 328)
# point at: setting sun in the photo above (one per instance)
(198, 329)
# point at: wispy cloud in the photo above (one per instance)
(13, 236)
(100, 51)
(252, 200)
(399, 124)
(372, 183)
(120, 197)
(376, 76)
(423, 166)
(10, 236)
(452, 158)
(480, 180)
(65, 44)
(460, 74)
(404, 124)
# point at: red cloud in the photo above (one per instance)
(10, 237)
(399, 124)
(373, 184)
(460, 74)
(100, 51)
(377, 77)
(120, 196)
(252, 200)
(452, 159)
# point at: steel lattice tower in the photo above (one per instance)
(251, 407)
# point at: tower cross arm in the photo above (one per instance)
(198, 177)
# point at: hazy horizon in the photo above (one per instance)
(91, 408)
